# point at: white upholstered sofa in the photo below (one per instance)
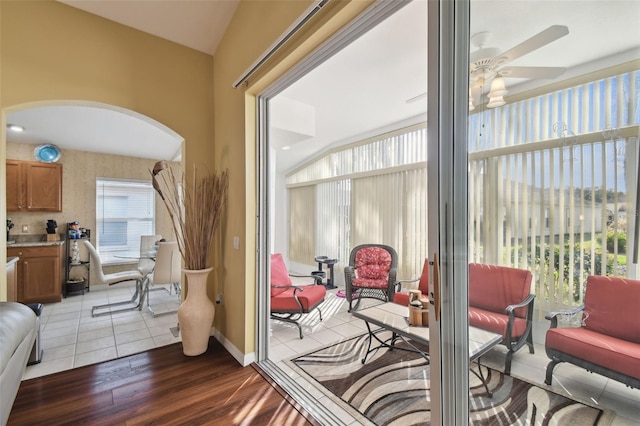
(18, 327)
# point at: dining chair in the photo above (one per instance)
(167, 270)
(147, 245)
(111, 279)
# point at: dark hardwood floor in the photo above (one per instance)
(160, 386)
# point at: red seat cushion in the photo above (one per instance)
(610, 352)
(401, 298)
(369, 283)
(611, 307)
(279, 274)
(309, 295)
(493, 287)
(496, 322)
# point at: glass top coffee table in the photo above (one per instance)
(394, 318)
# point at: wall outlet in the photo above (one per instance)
(25, 228)
(236, 243)
(219, 299)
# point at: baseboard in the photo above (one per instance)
(243, 359)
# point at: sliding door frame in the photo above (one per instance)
(447, 122)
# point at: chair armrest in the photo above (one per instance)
(393, 273)
(302, 276)
(522, 304)
(398, 284)
(553, 316)
(349, 274)
(288, 286)
(316, 279)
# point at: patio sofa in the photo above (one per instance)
(606, 338)
(18, 325)
(500, 301)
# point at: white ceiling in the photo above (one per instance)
(364, 87)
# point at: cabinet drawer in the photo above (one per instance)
(40, 251)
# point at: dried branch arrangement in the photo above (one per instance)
(195, 208)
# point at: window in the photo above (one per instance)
(537, 163)
(125, 210)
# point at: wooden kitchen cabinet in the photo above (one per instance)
(34, 186)
(39, 273)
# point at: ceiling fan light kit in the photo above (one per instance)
(497, 92)
(486, 65)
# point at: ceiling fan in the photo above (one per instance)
(486, 64)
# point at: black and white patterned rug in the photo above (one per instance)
(392, 388)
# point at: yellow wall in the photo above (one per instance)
(253, 28)
(50, 51)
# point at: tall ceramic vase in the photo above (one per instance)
(195, 314)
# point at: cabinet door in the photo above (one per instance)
(44, 187)
(15, 186)
(41, 280)
(12, 282)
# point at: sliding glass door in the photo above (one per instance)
(523, 163)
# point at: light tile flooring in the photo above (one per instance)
(338, 324)
(71, 337)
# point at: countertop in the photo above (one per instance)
(34, 243)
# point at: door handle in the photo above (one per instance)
(435, 293)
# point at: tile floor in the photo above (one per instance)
(338, 324)
(71, 337)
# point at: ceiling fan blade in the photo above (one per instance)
(532, 72)
(543, 38)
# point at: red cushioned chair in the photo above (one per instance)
(500, 301)
(402, 297)
(607, 337)
(289, 302)
(371, 273)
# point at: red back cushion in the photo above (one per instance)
(373, 263)
(611, 307)
(279, 274)
(494, 287)
(423, 284)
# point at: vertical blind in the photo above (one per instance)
(302, 222)
(334, 211)
(552, 179)
(372, 192)
(560, 212)
(125, 211)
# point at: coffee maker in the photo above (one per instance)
(9, 226)
(52, 225)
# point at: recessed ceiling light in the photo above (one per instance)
(286, 148)
(15, 128)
